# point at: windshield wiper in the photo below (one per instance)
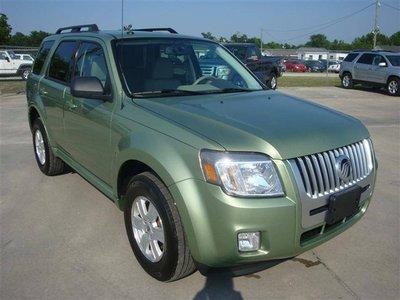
(235, 90)
(166, 92)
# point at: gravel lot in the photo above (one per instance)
(61, 238)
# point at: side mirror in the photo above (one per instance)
(7, 59)
(88, 87)
(382, 64)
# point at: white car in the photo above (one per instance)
(335, 67)
(11, 65)
(24, 57)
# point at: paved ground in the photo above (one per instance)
(61, 238)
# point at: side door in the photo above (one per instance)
(52, 88)
(363, 67)
(87, 121)
(378, 73)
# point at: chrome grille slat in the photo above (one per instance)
(319, 174)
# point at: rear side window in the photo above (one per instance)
(41, 56)
(90, 61)
(350, 57)
(61, 62)
(366, 58)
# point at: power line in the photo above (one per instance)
(329, 24)
(390, 6)
(335, 21)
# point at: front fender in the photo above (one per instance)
(170, 159)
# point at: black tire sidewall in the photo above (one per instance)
(164, 269)
(37, 125)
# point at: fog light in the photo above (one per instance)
(248, 241)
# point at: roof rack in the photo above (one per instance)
(78, 28)
(170, 30)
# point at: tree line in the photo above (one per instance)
(316, 40)
(34, 38)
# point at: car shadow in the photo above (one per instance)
(376, 90)
(219, 283)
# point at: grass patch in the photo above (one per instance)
(12, 87)
(308, 81)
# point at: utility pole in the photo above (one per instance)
(376, 22)
(261, 40)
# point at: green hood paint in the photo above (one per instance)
(269, 122)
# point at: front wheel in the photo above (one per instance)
(154, 229)
(347, 81)
(393, 86)
(25, 73)
(273, 82)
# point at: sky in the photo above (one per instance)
(283, 21)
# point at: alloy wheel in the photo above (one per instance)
(393, 87)
(346, 81)
(148, 228)
(39, 147)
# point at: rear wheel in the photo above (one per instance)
(25, 73)
(393, 86)
(47, 162)
(347, 81)
(154, 229)
(273, 82)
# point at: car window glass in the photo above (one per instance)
(350, 57)
(60, 64)
(3, 56)
(41, 56)
(394, 60)
(366, 58)
(378, 59)
(90, 61)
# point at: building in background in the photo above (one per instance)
(307, 53)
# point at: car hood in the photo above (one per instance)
(269, 122)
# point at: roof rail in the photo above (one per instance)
(78, 28)
(170, 30)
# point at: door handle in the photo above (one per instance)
(43, 92)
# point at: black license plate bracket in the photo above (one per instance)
(343, 204)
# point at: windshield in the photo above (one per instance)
(238, 51)
(160, 67)
(394, 60)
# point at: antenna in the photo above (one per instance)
(122, 18)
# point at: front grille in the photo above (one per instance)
(208, 70)
(318, 171)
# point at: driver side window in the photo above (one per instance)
(90, 62)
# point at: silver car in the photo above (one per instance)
(380, 69)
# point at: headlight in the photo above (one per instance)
(241, 174)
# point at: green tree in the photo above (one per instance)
(36, 37)
(239, 38)
(318, 40)
(367, 41)
(19, 39)
(209, 35)
(395, 39)
(5, 29)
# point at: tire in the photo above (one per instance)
(393, 86)
(272, 83)
(25, 73)
(172, 260)
(47, 162)
(347, 81)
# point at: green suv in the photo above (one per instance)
(210, 170)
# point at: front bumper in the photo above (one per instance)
(213, 219)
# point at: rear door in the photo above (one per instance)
(52, 88)
(87, 121)
(363, 67)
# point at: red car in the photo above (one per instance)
(295, 66)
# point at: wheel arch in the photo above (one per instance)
(391, 77)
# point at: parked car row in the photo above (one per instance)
(297, 65)
(12, 64)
